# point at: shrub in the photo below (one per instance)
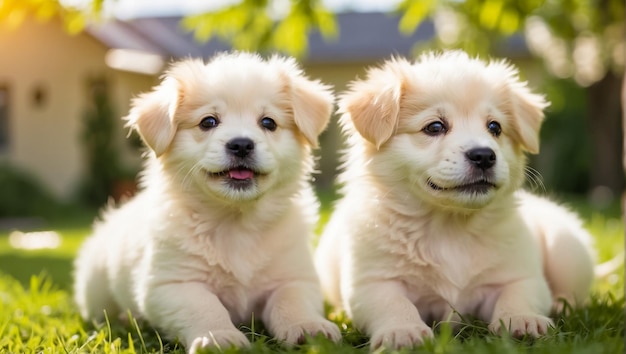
(23, 195)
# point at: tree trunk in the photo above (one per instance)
(624, 123)
(624, 145)
(606, 133)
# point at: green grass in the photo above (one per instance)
(37, 314)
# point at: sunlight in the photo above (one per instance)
(134, 61)
(35, 240)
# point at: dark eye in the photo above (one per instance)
(208, 122)
(268, 123)
(494, 128)
(435, 128)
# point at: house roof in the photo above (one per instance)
(363, 36)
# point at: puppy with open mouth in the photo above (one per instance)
(433, 223)
(220, 230)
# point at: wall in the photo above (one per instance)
(45, 136)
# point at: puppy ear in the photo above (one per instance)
(310, 100)
(152, 115)
(312, 104)
(373, 104)
(527, 108)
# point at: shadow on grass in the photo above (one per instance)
(22, 267)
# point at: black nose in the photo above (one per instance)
(240, 147)
(483, 158)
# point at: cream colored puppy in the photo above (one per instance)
(220, 230)
(432, 222)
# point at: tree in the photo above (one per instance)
(578, 39)
(13, 12)
(259, 25)
(102, 156)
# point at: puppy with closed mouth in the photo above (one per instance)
(433, 223)
(220, 229)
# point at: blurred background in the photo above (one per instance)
(69, 69)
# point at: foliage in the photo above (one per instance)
(104, 168)
(13, 12)
(579, 38)
(251, 25)
(23, 195)
(582, 39)
(564, 139)
(247, 24)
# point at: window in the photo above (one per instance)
(4, 117)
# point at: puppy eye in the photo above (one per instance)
(494, 128)
(435, 128)
(268, 123)
(208, 122)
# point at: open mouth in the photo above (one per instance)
(238, 177)
(477, 187)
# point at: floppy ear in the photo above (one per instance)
(152, 115)
(374, 103)
(312, 104)
(527, 108)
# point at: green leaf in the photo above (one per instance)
(509, 22)
(415, 13)
(490, 13)
(74, 23)
(326, 22)
(291, 34)
(46, 11)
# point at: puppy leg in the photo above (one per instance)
(91, 286)
(384, 312)
(568, 267)
(294, 310)
(521, 308)
(194, 314)
(567, 248)
(327, 264)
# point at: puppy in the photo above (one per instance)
(432, 222)
(219, 231)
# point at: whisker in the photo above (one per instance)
(187, 180)
(186, 174)
(534, 178)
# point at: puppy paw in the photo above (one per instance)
(296, 333)
(406, 336)
(521, 325)
(219, 339)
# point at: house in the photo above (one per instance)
(45, 78)
(44, 89)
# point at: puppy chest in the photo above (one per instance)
(450, 273)
(447, 265)
(224, 259)
(455, 279)
(438, 304)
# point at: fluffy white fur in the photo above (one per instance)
(213, 238)
(422, 233)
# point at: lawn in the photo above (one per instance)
(37, 314)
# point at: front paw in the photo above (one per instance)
(397, 337)
(521, 325)
(221, 339)
(296, 333)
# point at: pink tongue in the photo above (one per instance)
(240, 174)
